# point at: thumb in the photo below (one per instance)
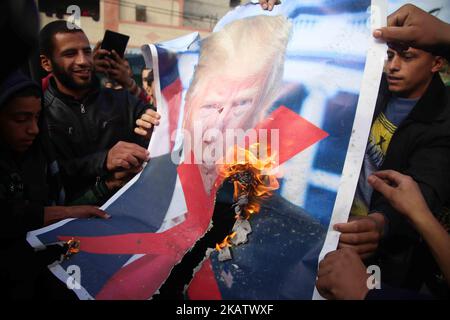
(395, 34)
(97, 46)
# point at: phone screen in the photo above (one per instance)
(115, 41)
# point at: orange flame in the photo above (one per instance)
(73, 247)
(226, 242)
(260, 186)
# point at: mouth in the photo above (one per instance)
(27, 142)
(393, 79)
(84, 73)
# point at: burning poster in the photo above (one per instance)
(263, 131)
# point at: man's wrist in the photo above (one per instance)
(55, 213)
(421, 217)
(364, 291)
(444, 35)
(130, 83)
(443, 38)
(133, 88)
(103, 187)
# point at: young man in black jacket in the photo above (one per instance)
(411, 134)
(91, 128)
(30, 195)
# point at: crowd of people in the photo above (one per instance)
(72, 140)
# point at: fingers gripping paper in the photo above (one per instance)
(300, 81)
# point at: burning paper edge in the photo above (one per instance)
(206, 257)
(253, 173)
(208, 253)
(195, 270)
(357, 145)
(243, 228)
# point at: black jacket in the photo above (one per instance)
(420, 147)
(28, 183)
(24, 192)
(82, 132)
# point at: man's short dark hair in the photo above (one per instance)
(24, 93)
(46, 44)
(18, 85)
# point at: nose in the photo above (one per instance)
(394, 64)
(33, 128)
(224, 111)
(218, 122)
(82, 59)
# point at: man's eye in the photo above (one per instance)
(243, 102)
(208, 109)
(209, 106)
(20, 119)
(240, 106)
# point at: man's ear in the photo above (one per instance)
(438, 63)
(46, 64)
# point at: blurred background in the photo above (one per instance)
(145, 21)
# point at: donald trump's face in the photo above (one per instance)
(223, 103)
(235, 82)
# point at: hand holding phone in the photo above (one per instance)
(119, 70)
(108, 58)
(100, 63)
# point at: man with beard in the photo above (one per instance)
(91, 128)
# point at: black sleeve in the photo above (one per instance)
(389, 293)
(91, 165)
(428, 165)
(94, 195)
(20, 218)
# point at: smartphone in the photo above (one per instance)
(115, 41)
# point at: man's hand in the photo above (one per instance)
(57, 213)
(342, 275)
(119, 70)
(125, 155)
(402, 192)
(268, 4)
(361, 234)
(414, 27)
(149, 119)
(119, 178)
(112, 65)
(100, 63)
